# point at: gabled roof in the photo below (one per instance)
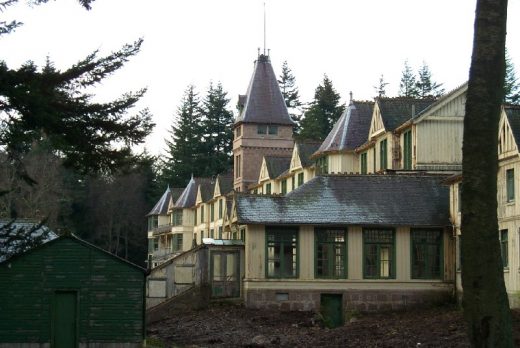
(442, 101)
(225, 182)
(305, 151)
(513, 117)
(351, 130)
(23, 226)
(81, 242)
(353, 200)
(206, 187)
(264, 102)
(189, 196)
(396, 111)
(161, 207)
(276, 165)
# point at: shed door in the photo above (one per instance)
(225, 270)
(64, 325)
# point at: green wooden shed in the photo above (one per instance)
(70, 293)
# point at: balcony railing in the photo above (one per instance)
(162, 229)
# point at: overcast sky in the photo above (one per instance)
(198, 41)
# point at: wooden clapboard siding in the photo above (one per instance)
(438, 142)
(345, 162)
(110, 293)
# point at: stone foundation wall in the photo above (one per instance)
(359, 300)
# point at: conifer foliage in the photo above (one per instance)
(381, 87)
(185, 149)
(408, 84)
(217, 126)
(290, 93)
(421, 86)
(324, 111)
(511, 84)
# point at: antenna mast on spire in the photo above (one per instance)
(264, 31)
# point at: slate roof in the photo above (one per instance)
(161, 207)
(225, 182)
(396, 111)
(305, 150)
(276, 165)
(264, 102)
(369, 200)
(189, 195)
(207, 188)
(176, 193)
(351, 130)
(513, 117)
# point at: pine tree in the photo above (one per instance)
(291, 95)
(408, 85)
(381, 87)
(324, 111)
(511, 84)
(46, 103)
(185, 149)
(425, 86)
(217, 131)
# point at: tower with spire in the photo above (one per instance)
(263, 126)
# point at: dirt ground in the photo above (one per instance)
(235, 326)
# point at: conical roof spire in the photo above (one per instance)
(263, 102)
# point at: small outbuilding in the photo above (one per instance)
(70, 293)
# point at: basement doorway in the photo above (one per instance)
(332, 309)
(224, 274)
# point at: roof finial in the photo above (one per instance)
(351, 97)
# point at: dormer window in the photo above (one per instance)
(272, 130)
(261, 129)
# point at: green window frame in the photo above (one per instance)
(284, 186)
(177, 242)
(268, 189)
(407, 150)
(383, 154)
(261, 129)
(153, 222)
(156, 244)
(272, 130)
(201, 213)
(220, 232)
(212, 211)
(427, 253)
(243, 234)
(510, 185)
(177, 217)
(211, 233)
(330, 253)
(504, 248)
(281, 250)
(374, 159)
(220, 208)
(195, 217)
(293, 181)
(378, 253)
(459, 197)
(364, 163)
(300, 179)
(322, 165)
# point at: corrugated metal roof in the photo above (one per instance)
(264, 102)
(396, 200)
(351, 130)
(161, 207)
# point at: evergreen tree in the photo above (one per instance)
(185, 150)
(217, 131)
(511, 84)
(291, 95)
(45, 103)
(381, 87)
(408, 85)
(425, 86)
(324, 111)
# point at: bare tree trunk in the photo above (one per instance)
(485, 302)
